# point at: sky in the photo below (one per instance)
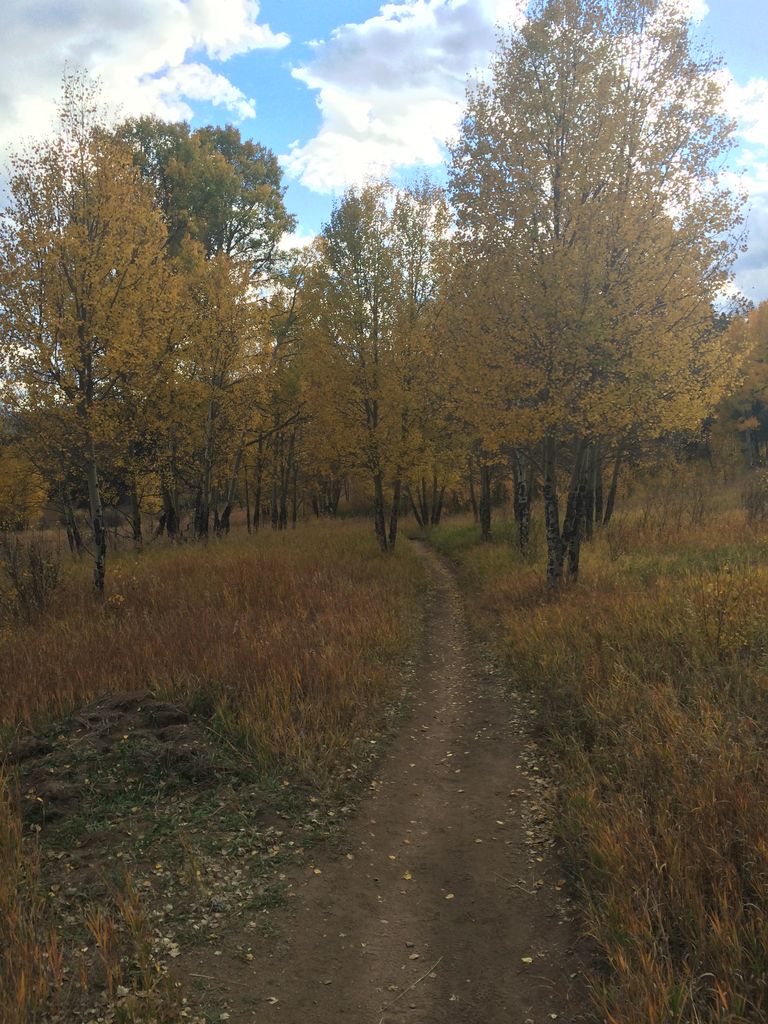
(338, 89)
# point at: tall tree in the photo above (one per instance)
(85, 291)
(214, 187)
(594, 234)
(376, 283)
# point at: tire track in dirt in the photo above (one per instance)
(442, 912)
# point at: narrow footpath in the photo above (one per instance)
(448, 907)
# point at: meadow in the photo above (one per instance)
(282, 640)
(283, 653)
(288, 649)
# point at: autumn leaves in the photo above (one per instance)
(593, 240)
(552, 307)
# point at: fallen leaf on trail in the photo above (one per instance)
(449, 896)
(414, 956)
(392, 856)
(407, 876)
(316, 871)
(527, 959)
(272, 1000)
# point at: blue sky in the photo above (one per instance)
(337, 88)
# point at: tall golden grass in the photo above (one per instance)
(285, 641)
(651, 675)
(29, 974)
(288, 645)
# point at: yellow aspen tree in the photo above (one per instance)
(222, 362)
(85, 290)
(375, 285)
(594, 235)
(747, 407)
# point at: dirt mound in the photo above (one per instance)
(119, 737)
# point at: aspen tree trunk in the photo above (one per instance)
(258, 482)
(203, 503)
(393, 515)
(247, 499)
(379, 523)
(138, 539)
(170, 517)
(611, 499)
(522, 500)
(336, 487)
(423, 501)
(99, 531)
(552, 515)
(589, 494)
(577, 499)
(286, 471)
(572, 523)
(232, 487)
(74, 537)
(485, 503)
(415, 508)
(437, 507)
(274, 513)
(472, 497)
(295, 496)
(598, 484)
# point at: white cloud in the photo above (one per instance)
(148, 54)
(748, 105)
(293, 240)
(167, 94)
(391, 89)
(696, 10)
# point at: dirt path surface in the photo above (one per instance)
(448, 907)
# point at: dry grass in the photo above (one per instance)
(29, 977)
(285, 641)
(652, 680)
(287, 645)
(39, 975)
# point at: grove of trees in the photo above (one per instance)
(556, 306)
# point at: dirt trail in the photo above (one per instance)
(431, 915)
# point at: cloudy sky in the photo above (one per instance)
(338, 88)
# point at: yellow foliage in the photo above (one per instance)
(23, 492)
